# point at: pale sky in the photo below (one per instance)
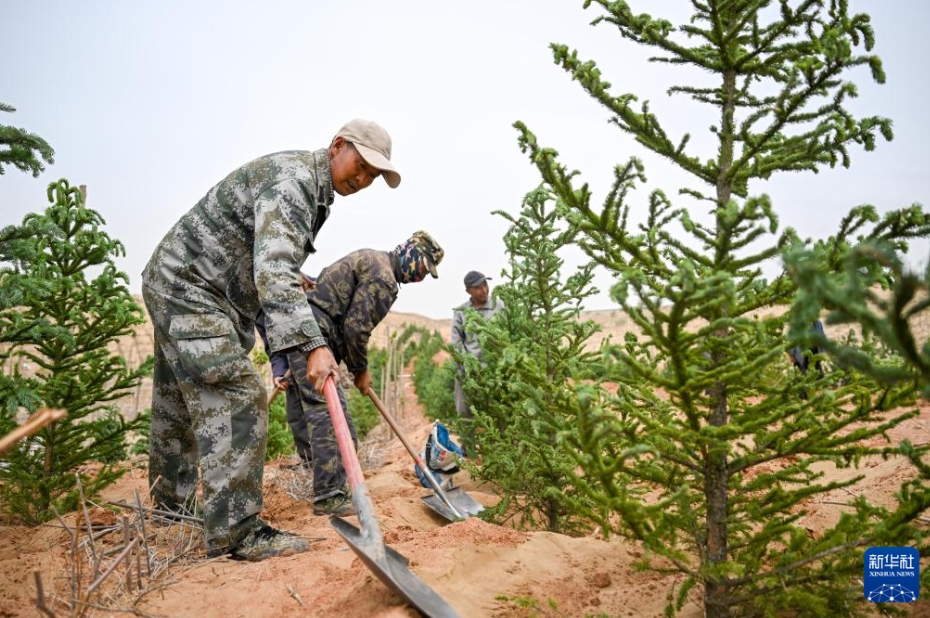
(152, 103)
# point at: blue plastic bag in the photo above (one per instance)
(441, 455)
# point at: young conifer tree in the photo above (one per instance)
(729, 448)
(25, 151)
(21, 149)
(71, 284)
(16, 328)
(898, 318)
(434, 381)
(523, 389)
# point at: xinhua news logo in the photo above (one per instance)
(892, 575)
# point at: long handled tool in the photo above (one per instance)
(36, 422)
(454, 504)
(278, 390)
(274, 395)
(390, 566)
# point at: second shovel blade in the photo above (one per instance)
(461, 501)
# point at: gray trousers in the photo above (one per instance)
(461, 404)
(209, 411)
(329, 475)
(465, 424)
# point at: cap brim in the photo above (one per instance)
(377, 160)
(432, 269)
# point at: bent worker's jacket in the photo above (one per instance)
(351, 297)
(239, 249)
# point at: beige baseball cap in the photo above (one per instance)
(374, 144)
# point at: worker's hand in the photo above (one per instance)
(363, 381)
(306, 283)
(320, 365)
(281, 382)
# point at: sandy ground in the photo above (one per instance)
(478, 568)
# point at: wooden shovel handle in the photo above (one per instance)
(343, 436)
(278, 390)
(36, 422)
(274, 395)
(416, 457)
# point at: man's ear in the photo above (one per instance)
(337, 145)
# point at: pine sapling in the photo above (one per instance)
(708, 455)
(71, 284)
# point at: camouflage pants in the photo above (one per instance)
(209, 410)
(329, 475)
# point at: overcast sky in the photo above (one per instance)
(151, 103)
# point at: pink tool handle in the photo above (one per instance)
(343, 436)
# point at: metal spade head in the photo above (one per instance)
(391, 568)
(460, 502)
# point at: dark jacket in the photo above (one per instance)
(351, 297)
(279, 365)
(800, 359)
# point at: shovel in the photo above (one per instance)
(278, 390)
(36, 422)
(274, 395)
(455, 504)
(390, 567)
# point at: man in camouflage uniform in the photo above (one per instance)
(350, 298)
(237, 252)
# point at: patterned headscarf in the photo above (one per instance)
(419, 249)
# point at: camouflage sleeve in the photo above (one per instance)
(284, 217)
(371, 302)
(278, 360)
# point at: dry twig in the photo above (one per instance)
(72, 554)
(145, 544)
(90, 528)
(166, 514)
(40, 597)
(112, 567)
(293, 593)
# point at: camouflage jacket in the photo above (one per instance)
(240, 249)
(351, 297)
(462, 340)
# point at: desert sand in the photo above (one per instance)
(480, 569)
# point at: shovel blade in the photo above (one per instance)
(391, 568)
(433, 502)
(461, 502)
